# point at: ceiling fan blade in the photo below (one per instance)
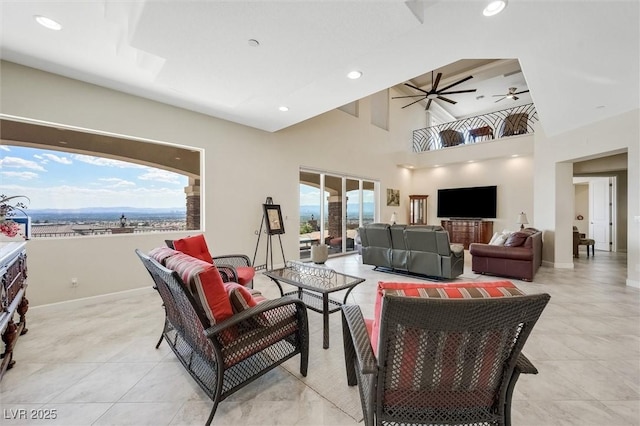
(515, 98)
(413, 102)
(408, 96)
(456, 83)
(458, 91)
(524, 91)
(497, 95)
(417, 88)
(442, 98)
(428, 104)
(434, 86)
(504, 97)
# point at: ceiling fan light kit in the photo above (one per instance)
(511, 94)
(494, 7)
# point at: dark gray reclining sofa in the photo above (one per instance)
(419, 249)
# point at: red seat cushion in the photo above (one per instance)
(245, 274)
(205, 284)
(195, 246)
(463, 290)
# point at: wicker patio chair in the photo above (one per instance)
(440, 361)
(224, 357)
(233, 267)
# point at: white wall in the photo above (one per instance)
(242, 166)
(513, 177)
(552, 185)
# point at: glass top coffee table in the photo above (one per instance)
(314, 285)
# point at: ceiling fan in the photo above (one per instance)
(434, 93)
(511, 94)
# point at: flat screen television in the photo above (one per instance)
(474, 202)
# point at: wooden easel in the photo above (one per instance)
(269, 253)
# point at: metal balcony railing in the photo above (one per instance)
(507, 122)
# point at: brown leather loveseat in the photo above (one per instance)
(519, 257)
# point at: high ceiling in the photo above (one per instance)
(580, 59)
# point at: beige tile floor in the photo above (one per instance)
(95, 364)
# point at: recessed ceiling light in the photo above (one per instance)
(48, 22)
(283, 108)
(353, 75)
(514, 155)
(253, 42)
(470, 161)
(494, 7)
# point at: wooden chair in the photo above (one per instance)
(516, 124)
(440, 361)
(449, 137)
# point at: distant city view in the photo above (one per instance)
(77, 222)
(311, 212)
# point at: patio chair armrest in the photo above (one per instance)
(524, 366)
(268, 305)
(355, 331)
(235, 260)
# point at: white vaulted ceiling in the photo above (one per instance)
(580, 60)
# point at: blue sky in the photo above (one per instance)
(55, 179)
(310, 196)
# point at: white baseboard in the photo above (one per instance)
(84, 301)
(633, 283)
(557, 265)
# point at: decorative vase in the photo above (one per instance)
(319, 253)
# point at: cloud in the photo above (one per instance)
(20, 163)
(20, 175)
(57, 159)
(117, 182)
(157, 175)
(5, 148)
(105, 162)
(41, 158)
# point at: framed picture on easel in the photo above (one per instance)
(274, 219)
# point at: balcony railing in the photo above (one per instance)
(507, 122)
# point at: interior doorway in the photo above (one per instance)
(595, 210)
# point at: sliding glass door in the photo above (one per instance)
(332, 207)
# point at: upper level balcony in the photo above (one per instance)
(507, 122)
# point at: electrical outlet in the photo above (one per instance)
(74, 282)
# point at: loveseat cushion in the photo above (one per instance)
(501, 252)
(463, 290)
(205, 284)
(517, 239)
(195, 246)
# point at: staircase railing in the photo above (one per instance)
(480, 127)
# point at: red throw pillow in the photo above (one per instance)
(516, 239)
(205, 284)
(462, 290)
(195, 246)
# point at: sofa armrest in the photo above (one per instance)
(501, 252)
(457, 249)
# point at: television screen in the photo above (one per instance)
(476, 202)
